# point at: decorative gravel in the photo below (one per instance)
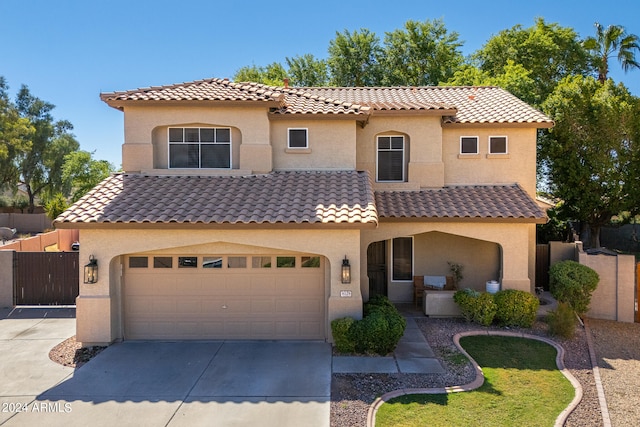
(70, 353)
(617, 347)
(352, 394)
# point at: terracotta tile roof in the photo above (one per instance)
(338, 197)
(485, 104)
(473, 202)
(458, 104)
(199, 90)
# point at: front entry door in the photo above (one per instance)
(377, 268)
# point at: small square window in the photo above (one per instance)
(310, 262)
(298, 138)
(162, 262)
(468, 145)
(138, 262)
(498, 145)
(187, 262)
(286, 262)
(237, 262)
(212, 262)
(261, 262)
(223, 135)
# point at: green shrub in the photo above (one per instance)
(477, 307)
(562, 321)
(340, 329)
(465, 298)
(516, 308)
(378, 332)
(573, 283)
(485, 309)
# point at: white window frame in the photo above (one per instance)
(306, 135)
(404, 148)
(477, 138)
(169, 143)
(506, 144)
(413, 255)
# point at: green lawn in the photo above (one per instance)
(522, 386)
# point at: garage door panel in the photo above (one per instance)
(269, 303)
(262, 305)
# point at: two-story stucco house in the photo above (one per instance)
(239, 203)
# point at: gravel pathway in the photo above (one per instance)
(617, 347)
(352, 394)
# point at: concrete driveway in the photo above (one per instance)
(212, 383)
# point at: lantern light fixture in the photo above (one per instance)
(91, 270)
(346, 270)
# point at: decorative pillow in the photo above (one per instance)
(435, 282)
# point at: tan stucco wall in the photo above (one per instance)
(519, 165)
(99, 305)
(423, 137)
(145, 124)
(614, 298)
(511, 239)
(331, 145)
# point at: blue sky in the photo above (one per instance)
(69, 51)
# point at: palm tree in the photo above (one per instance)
(612, 42)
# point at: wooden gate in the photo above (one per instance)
(542, 267)
(45, 278)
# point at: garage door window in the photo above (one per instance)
(187, 262)
(261, 262)
(310, 262)
(162, 262)
(212, 262)
(237, 262)
(286, 262)
(138, 262)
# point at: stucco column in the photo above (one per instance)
(93, 304)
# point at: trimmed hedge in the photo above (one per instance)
(573, 283)
(516, 308)
(378, 332)
(508, 308)
(476, 306)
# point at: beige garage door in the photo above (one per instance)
(224, 297)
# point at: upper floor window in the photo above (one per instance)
(497, 145)
(390, 159)
(468, 145)
(298, 138)
(200, 148)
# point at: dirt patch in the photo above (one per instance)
(70, 353)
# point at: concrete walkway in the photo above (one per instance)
(413, 355)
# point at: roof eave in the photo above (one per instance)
(120, 104)
(536, 125)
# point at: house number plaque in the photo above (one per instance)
(345, 294)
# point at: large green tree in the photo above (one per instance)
(273, 74)
(513, 78)
(587, 153)
(81, 172)
(15, 135)
(548, 51)
(40, 164)
(421, 54)
(307, 71)
(354, 59)
(612, 42)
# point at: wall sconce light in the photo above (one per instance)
(346, 270)
(91, 271)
